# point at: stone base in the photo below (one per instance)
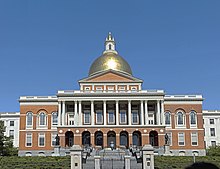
(56, 151)
(167, 150)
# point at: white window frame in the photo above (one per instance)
(132, 113)
(183, 134)
(99, 112)
(111, 111)
(170, 138)
(52, 119)
(120, 117)
(40, 136)
(26, 140)
(110, 89)
(10, 123)
(167, 112)
(53, 138)
(89, 113)
(193, 125)
(71, 119)
(27, 125)
(12, 136)
(196, 137)
(210, 121)
(99, 89)
(177, 119)
(211, 132)
(39, 125)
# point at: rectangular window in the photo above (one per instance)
(123, 118)
(41, 140)
(99, 117)
(110, 89)
(12, 123)
(28, 139)
(170, 138)
(111, 117)
(213, 143)
(71, 119)
(134, 117)
(53, 139)
(99, 89)
(212, 131)
(212, 121)
(181, 139)
(194, 138)
(86, 117)
(133, 88)
(11, 134)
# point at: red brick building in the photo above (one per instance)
(111, 106)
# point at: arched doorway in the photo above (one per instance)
(86, 139)
(69, 141)
(124, 139)
(111, 137)
(99, 138)
(136, 138)
(153, 135)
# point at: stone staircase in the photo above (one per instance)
(111, 159)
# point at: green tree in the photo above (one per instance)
(6, 144)
(213, 151)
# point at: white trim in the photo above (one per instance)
(183, 138)
(196, 138)
(99, 111)
(120, 122)
(26, 139)
(112, 111)
(39, 135)
(29, 126)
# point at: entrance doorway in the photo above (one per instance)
(99, 138)
(124, 139)
(136, 138)
(111, 138)
(153, 138)
(86, 139)
(69, 139)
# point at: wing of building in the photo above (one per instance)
(111, 107)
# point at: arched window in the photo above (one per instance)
(180, 118)
(42, 119)
(29, 119)
(192, 118)
(167, 118)
(54, 118)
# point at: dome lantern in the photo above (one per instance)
(110, 60)
(110, 44)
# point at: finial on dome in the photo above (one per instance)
(110, 44)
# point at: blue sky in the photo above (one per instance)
(47, 46)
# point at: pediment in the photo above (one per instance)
(111, 76)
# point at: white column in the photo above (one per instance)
(92, 112)
(146, 113)
(129, 112)
(142, 113)
(162, 113)
(59, 113)
(117, 112)
(76, 117)
(63, 113)
(158, 112)
(80, 113)
(104, 111)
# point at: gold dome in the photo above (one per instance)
(110, 60)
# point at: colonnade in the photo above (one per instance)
(144, 114)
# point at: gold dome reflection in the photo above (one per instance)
(110, 61)
(111, 64)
